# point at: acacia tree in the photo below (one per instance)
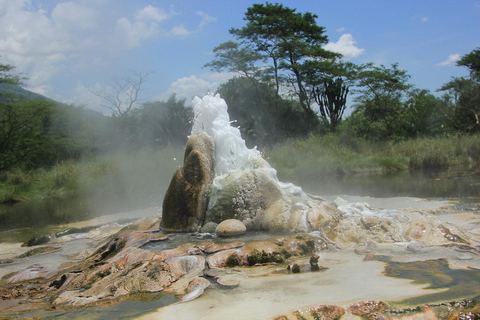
(232, 57)
(472, 62)
(290, 40)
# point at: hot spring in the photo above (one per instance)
(383, 257)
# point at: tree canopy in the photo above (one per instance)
(472, 62)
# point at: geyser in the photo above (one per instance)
(223, 179)
(244, 185)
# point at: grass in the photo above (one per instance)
(142, 175)
(335, 154)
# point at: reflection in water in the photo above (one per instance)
(459, 283)
(418, 184)
(53, 211)
(43, 213)
(139, 304)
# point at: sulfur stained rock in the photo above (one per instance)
(210, 247)
(324, 312)
(187, 196)
(366, 307)
(195, 289)
(273, 250)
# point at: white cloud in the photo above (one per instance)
(340, 29)
(189, 87)
(132, 33)
(151, 13)
(46, 39)
(73, 15)
(143, 26)
(183, 31)
(205, 19)
(450, 61)
(180, 30)
(346, 45)
(425, 19)
(39, 44)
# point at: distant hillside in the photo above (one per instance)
(6, 88)
(19, 91)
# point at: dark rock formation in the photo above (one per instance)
(186, 199)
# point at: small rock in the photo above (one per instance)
(209, 227)
(464, 256)
(362, 251)
(230, 227)
(415, 247)
(296, 268)
(195, 289)
(36, 241)
(314, 263)
(229, 281)
(212, 273)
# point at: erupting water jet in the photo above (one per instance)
(243, 187)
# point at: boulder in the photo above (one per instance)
(230, 227)
(244, 195)
(209, 227)
(187, 197)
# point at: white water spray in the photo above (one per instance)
(211, 116)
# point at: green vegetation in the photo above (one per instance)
(290, 94)
(142, 176)
(326, 155)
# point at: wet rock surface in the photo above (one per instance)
(186, 199)
(230, 228)
(380, 310)
(119, 267)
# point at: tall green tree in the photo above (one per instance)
(380, 92)
(7, 74)
(289, 39)
(472, 62)
(232, 57)
(465, 93)
(264, 119)
(23, 134)
(424, 115)
(162, 123)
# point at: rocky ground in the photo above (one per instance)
(366, 273)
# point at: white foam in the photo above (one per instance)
(211, 116)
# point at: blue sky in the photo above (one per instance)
(65, 48)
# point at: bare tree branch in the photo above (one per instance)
(121, 95)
